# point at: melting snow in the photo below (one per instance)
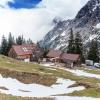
(75, 98)
(37, 90)
(83, 73)
(76, 72)
(48, 64)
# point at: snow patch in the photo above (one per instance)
(95, 7)
(52, 39)
(37, 90)
(92, 37)
(75, 98)
(98, 25)
(63, 34)
(83, 73)
(76, 72)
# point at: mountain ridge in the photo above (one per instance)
(85, 23)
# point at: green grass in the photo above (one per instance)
(14, 65)
(91, 92)
(69, 75)
(93, 71)
(9, 97)
(9, 63)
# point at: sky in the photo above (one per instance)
(34, 18)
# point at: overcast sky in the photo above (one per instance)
(33, 18)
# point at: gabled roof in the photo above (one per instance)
(71, 57)
(24, 49)
(54, 53)
(64, 56)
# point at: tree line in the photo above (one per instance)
(75, 46)
(7, 43)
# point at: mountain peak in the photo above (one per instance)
(90, 10)
(84, 23)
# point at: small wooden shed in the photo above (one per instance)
(71, 60)
(54, 55)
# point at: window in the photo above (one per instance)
(25, 49)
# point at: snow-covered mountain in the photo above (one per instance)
(86, 22)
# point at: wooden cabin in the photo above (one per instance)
(22, 52)
(54, 55)
(70, 60)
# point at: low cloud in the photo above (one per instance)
(35, 22)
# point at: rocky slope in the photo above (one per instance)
(86, 23)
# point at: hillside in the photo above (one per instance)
(29, 73)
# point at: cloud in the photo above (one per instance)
(30, 23)
(62, 8)
(3, 3)
(35, 22)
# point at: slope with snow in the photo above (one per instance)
(16, 88)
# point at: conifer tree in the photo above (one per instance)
(93, 53)
(20, 40)
(11, 41)
(45, 50)
(29, 41)
(71, 48)
(4, 46)
(79, 46)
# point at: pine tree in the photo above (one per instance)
(24, 41)
(4, 46)
(79, 46)
(20, 40)
(45, 52)
(71, 48)
(29, 41)
(38, 45)
(11, 41)
(93, 53)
